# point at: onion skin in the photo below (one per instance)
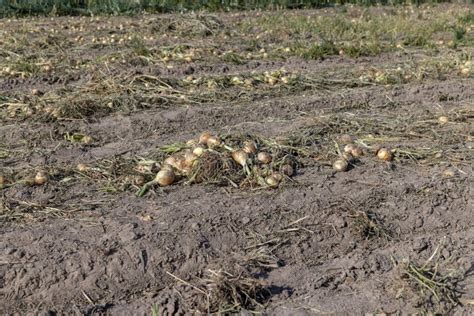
(165, 177)
(340, 165)
(384, 154)
(240, 157)
(41, 178)
(264, 157)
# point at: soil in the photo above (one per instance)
(71, 247)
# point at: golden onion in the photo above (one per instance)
(340, 165)
(384, 154)
(165, 177)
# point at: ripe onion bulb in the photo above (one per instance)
(340, 165)
(384, 154)
(240, 157)
(41, 178)
(165, 177)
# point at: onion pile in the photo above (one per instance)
(243, 161)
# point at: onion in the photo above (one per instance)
(340, 165)
(86, 140)
(204, 137)
(264, 157)
(165, 177)
(213, 141)
(346, 139)
(384, 154)
(287, 170)
(349, 148)
(41, 178)
(277, 176)
(443, 119)
(82, 167)
(250, 148)
(357, 152)
(272, 181)
(240, 157)
(272, 80)
(199, 150)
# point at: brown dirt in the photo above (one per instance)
(74, 247)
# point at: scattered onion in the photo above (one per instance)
(41, 178)
(264, 157)
(165, 177)
(443, 119)
(384, 154)
(82, 167)
(272, 181)
(340, 165)
(86, 140)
